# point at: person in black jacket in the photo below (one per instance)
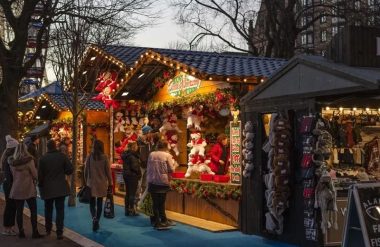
(52, 171)
(10, 204)
(131, 175)
(32, 143)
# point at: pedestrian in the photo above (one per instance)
(160, 165)
(32, 143)
(64, 146)
(146, 146)
(53, 168)
(131, 175)
(98, 178)
(24, 187)
(219, 155)
(10, 204)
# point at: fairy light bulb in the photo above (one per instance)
(340, 108)
(327, 108)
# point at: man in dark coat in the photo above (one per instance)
(53, 168)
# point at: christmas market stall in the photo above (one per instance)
(52, 107)
(191, 99)
(316, 125)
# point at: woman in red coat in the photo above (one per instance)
(219, 155)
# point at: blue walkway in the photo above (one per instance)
(136, 231)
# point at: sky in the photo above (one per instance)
(163, 32)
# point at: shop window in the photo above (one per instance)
(324, 36)
(334, 30)
(303, 39)
(357, 5)
(323, 19)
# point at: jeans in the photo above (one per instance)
(159, 207)
(131, 184)
(96, 207)
(10, 206)
(60, 214)
(32, 204)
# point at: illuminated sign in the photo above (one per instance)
(183, 85)
(235, 149)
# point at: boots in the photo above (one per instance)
(36, 234)
(95, 224)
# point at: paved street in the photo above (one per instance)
(28, 241)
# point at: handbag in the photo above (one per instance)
(84, 193)
(109, 208)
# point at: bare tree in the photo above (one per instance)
(226, 21)
(232, 21)
(90, 22)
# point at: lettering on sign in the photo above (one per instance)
(183, 85)
(235, 149)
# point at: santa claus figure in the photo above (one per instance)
(119, 122)
(107, 84)
(130, 136)
(197, 144)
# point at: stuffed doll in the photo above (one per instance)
(197, 144)
(133, 116)
(172, 138)
(130, 136)
(119, 122)
(197, 163)
(325, 199)
(194, 117)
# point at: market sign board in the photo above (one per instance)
(363, 218)
(183, 85)
(235, 149)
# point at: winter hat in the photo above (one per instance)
(146, 129)
(11, 142)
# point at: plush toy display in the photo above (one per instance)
(248, 148)
(194, 117)
(119, 123)
(169, 125)
(133, 116)
(197, 144)
(198, 163)
(172, 138)
(130, 136)
(107, 84)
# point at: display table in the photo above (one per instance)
(225, 211)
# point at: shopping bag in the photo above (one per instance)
(84, 194)
(109, 210)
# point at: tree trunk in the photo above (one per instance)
(73, 192)
(8, 104)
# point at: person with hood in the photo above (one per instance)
(131, 175)
(160, 165)
(24, 187)
(97, 173)
(10, 204)
(32, 142)
(53, 168)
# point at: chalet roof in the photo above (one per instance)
(52, 88)
(210, 63)
(306, 76)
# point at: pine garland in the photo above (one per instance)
(206, 190)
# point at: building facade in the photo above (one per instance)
(320, 21)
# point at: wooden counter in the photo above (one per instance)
(209, 210)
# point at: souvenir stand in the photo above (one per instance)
(316, 124)
(188, 98)
(51, 106)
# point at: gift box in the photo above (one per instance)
(207, 177)
(221, 178)
(178, 175)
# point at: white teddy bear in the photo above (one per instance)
(198, 163)
(119, 122)
(194, 117)
(197, 144)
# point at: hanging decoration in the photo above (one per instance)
(106, 86)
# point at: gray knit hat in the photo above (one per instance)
(11, 142)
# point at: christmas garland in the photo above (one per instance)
(206, 190)
(221, 98)
(98, 125)
(66, 122)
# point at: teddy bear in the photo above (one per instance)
(169, 125)
(194, 117)
(197, 144)
(198, 163)
(119, 122)
(133, 116)
(172, 138)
